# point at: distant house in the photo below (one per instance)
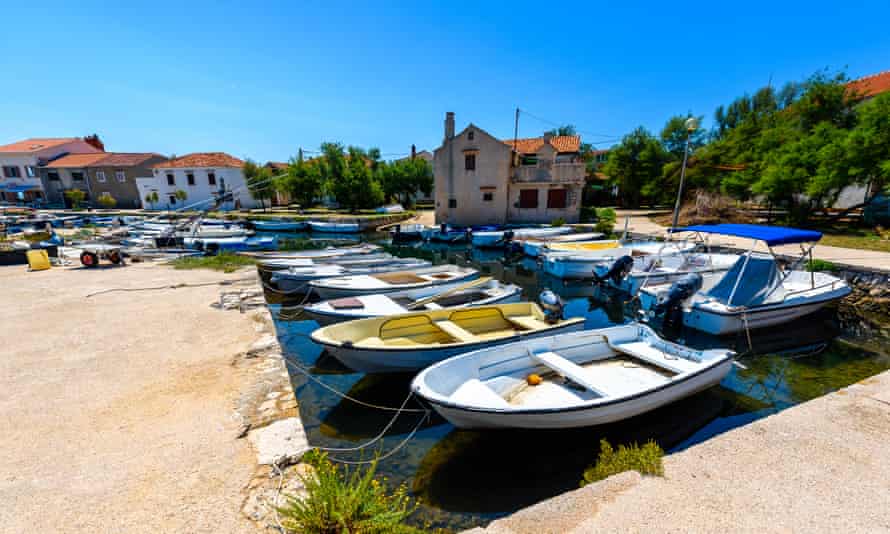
(426, 155)
(480, 179)
(19, 162)
(870, 86)
(98, 174)
(278, 168)
(201, 175)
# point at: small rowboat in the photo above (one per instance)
(330, 252)
(369, 284)
(533, 246)
(346, 260)
(407, 232)
(498, 238)
(334, 227)
(279, 225)
(298, 277)
(586, 378)
(652, 270)
(481, 292)
(413, 341)
(578, 260)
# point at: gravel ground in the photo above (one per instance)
(117, 411)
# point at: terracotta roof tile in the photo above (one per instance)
(76, 160)
(36, 143)
(127, 159)
(562, 143)
(868, 86)
(201, 159)
(277, 165)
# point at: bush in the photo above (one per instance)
(605, 221)
(647, 460)
(558, 222)
(224, 261)
(106, 201)
(588, 214)
(821, 265)
(346, 500)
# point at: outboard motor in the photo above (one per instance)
(618, 271)
(672, 305)
(552, 306)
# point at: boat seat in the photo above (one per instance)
(456, 332)
(570, 370)
(389, 342)
(528, 322)
(475, 393)
(649, 354)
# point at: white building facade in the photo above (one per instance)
(19, 162)
(200, 176)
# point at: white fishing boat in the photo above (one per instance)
(630, 274)
(578, 260)
(412, 341)
(298, 278)
(407, 232)
(279, 225)
(334, 227)
(479, 292)
(369, 284)
(344, 260)
(581, 379)
(499, 237)
(329, 252)
(533, 246)
(755, 293)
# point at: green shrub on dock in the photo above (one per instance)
(225, 262)
(346, 500)
(605, 221)
(646, 459)
(821, 266)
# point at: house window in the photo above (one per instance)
(100, 176)
(470, 135)
(529, 159)
(190, 178)
(30, 171)
(52, 176)
(470, 162)
(11, 171)
(170, 179)
(528, 198)
(211, 178)
(452, 203)
(77, 176)
(172, 199)
(487, 196)
(121, 176)
(556, 198)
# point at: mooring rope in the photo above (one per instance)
(169, 286)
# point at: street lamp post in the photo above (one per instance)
(691, 126)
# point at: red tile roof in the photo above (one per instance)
(127, 159)
(36, 143)
(76, 160)
(868, 86)
(277, 165)
(562, 143)
(201, 159)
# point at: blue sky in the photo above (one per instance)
(259, 79)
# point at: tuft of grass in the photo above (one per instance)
(646, 459)
(559, 221)
(225, 262)
(346, 500)
(821, 266)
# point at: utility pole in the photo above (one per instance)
(691, 126)
(516, 130)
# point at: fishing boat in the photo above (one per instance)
(578, 260)
(230, 244)
(342, 259)
(499, 237)
(407, 232)
(630, 274)
(334, 227)
(576, 379)
(533, 246)
(278, 225)
(479, 292)
(412, 341)
(328, 252)
(756, 292)
(368, 284)
(297, 278)
(445, 233)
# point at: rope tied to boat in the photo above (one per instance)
(168, 286)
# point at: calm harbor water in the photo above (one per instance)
(467, 478)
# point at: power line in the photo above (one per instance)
(557, 124)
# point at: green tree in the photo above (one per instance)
(635, 165)
(75, 196)
(152, 198)
(304, 181)
(107, 201)
(259, 181)
(566, 129)
(180, 195)
(673, 136)
(401, 179)
(866, 148)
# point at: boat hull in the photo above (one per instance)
(335, 228)
(394, 360)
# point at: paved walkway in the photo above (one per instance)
(821, 466)
(640, 223)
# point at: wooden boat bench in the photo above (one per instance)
(649, 354)
(456, 331)
(528, 322)
(570, 370)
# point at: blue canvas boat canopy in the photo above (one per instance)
(771, 235)
(9, 188)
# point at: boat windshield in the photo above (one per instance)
(753, 284)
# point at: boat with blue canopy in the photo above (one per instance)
(756, 292)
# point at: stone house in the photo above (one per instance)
(20, 162)
(480, 179)
(98, 174)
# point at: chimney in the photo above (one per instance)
(548, 136)
(413, 151)
(449, 125)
